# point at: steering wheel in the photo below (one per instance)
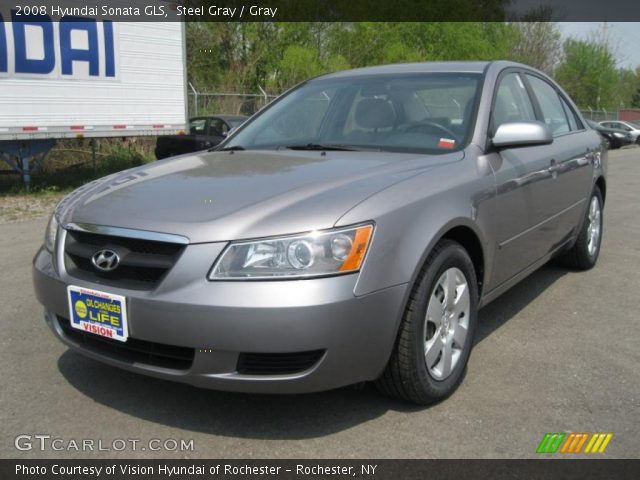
(431, 127)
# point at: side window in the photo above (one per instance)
(216, 127)
(512, 103)
(573, 120)
(197, 126)
(551, 106)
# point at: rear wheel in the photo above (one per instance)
(437, 330)
(584, 254)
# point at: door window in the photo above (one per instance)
(551, 106)
(574, 123)
(197, 126)
(217, 128)
(512, 103)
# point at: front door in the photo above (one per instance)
(523, 182)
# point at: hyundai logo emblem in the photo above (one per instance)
(105, 260)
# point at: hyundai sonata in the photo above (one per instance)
(348, 232)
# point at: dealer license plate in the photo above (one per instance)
(99, 313)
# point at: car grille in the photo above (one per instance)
(277, 363)
(143, 263)
(131, 351)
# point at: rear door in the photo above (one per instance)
(570, 163)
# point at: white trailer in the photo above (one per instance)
(89, 78)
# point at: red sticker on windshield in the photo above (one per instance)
(446, 143)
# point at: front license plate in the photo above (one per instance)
(100, 313)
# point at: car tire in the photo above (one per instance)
(436, 334)
(584, 253)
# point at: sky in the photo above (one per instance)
(624, 38)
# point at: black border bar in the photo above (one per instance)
(578, 469)
(337, 10)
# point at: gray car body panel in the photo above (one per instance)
(521, 205)
(221, 196)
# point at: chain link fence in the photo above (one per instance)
(216, 103)
(600, 115)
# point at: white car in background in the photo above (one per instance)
(633, 128)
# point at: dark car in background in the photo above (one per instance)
(632, 128)
(613, 137)
(204, 132)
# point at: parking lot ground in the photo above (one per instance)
(558, 353)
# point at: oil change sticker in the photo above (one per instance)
(99, 313)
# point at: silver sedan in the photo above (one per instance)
(348, 232)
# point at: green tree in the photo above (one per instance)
(628, 84)
(634, 101)
(537, 44)
(373, 43)
(588, 73)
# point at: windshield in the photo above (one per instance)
(410, 112)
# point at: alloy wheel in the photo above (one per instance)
(446, 323)
(595, 225)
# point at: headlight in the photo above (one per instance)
(51, 234)
(330, 252)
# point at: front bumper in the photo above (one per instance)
(222, 320)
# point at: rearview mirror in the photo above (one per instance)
(522, 134)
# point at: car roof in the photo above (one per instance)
(424, 67)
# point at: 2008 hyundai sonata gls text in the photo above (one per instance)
(348, 232)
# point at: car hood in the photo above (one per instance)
(219, 196)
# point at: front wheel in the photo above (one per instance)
(584, 254)
(437, 329)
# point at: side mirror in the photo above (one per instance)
(522, 134)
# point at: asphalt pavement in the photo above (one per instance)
(560, 352)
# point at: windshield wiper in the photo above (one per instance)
(227, 149)
(321, 146)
